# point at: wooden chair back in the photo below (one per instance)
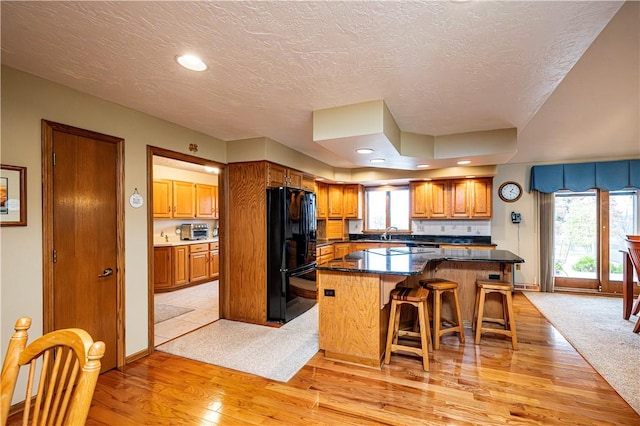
(633, 246)
(67, 363)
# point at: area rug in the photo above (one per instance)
(162, 312)
(274, 353)
(595, 328)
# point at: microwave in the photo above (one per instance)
(194, 231)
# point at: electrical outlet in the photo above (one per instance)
(442, 228)
(468, 229)
(494, 276)
(329, 292)
(517, 266)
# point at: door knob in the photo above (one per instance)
(106, 273)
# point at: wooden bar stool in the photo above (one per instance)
(416, 297)
(504, 288)
(439, 286)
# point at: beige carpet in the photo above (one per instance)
(274, 353)
(595, 327)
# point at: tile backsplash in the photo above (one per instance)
(437, 227)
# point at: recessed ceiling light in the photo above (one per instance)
(426, 179)
(464, 162)
(191, 62)
(340, 181)
(211, 169)
(470, 177)
(319, 178)
(422, 166)
(377, 160)
(364, 150)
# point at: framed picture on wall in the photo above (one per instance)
(13, 195)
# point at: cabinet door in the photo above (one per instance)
(214, 264)
(480, 198)
(162, 198)
(308, 183)
(351, 200)
(335, 202)
(437, 199)
(321, 200)
(335, 229)
(276, 175)
(459, 198)
(162, 278)
(180, 265)
(216, 203)
(418, 193)
(205, 200)
(199, 266)
(341, 250)
(183, 199)
(294, 179)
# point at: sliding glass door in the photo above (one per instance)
(589, 231)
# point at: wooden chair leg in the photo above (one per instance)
(512, 322)
(424, 331)
(392, 330)
(437, 321)
(480, 314)
(456, 300)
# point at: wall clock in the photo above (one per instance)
(510, 191)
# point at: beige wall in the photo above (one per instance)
(25, 101)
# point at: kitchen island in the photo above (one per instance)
(353, 292)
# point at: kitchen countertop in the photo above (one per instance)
(411, 260)
(413, 242)
(160, 242)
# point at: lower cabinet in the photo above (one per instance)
(199, 262)
(179, 266)
(214, 261)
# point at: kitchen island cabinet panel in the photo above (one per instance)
(352, 325)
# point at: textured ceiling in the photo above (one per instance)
(441, 67)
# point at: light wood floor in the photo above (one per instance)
(545, 382)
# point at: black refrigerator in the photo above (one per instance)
(291, 250)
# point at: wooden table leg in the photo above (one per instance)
(627, 285)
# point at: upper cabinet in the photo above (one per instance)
(321, 200)
(184, 200)
(278, 176)
(353, 196)
(207, 201)
(451, 199)
(334, 202)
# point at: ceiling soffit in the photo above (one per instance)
(345, 129)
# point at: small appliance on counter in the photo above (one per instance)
(194, 231)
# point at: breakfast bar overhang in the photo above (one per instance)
(353, 292)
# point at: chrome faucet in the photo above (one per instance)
(385, 235)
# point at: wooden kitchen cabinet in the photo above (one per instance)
(180, 260)
(471, 198)
(451, 199)
(352, 196)
(321, 200)
(341, 249)
(206, 201)
(278, 176)
(308, 183)
(334, 202)
(214, 261)
(335, 229)
(199, 262)
(162, 198)
(324, 254)
(162, 271)
(184, 197)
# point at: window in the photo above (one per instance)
(589, 231)
(387, 206)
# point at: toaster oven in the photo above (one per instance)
(194, 231)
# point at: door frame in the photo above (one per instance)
(48, 127)
(222, 191)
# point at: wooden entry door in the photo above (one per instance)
(83, 235)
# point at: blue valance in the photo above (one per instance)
(578, 177)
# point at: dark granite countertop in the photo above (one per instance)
(414, 240)
(411, 260)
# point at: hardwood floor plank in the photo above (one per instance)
(545, 382)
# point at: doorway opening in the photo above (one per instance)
(185, 243)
